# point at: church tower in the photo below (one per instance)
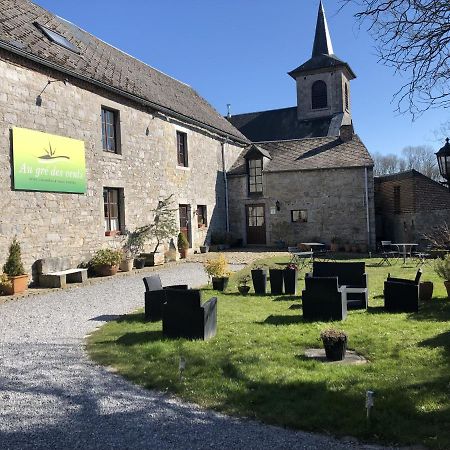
(323, 82)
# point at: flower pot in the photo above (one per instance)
(204, 249)
(334, 247)
(290, 281)
(153, 259)
(447, 286)
(347, 247)
(335, 351)
(106, 271)
(126, 265)
(139, 263)
(243, 290)
(426, 291)
(363, 248)
(183, 252)
(276, 281)
(259, 278)
(355, 248)
(220, 283)
(18, 285)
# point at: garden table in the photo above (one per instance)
(404, 249)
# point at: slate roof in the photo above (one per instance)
(309, 154)
(279, 124)
(101, 63)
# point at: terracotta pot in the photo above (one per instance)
(426, 291)
(447, 286)
(106, 271)
(18, 285)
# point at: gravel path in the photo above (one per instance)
(53, 397)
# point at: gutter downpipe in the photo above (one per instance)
(366, 185)
(225, 181)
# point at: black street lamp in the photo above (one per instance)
(443, 157)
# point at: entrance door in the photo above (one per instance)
(185, 222)
(256, 225)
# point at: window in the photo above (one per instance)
(110, 130)
(182, 149)
(113, 206)
(299, 215)
(346, 96)
(56, 38)
(202, 217)
(319, 95)
(396, 199)
(255, 176)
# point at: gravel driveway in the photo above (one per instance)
(53, 397)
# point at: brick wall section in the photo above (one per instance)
(425, 205)
(50, 224)
(333, 198)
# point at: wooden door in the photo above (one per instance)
(256, 225)
(185, 222)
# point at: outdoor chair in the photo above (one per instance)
(299, 257)
(401, 295)
(387, 253)
(183, 315)
(349, 274)
(155, 296)
(323, 300)
(422, 256)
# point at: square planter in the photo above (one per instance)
(276, 281)
(220, 283)
(153, 259)
(259, 278)
(290, 281)
(18, 285)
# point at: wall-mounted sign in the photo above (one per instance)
(48, 163)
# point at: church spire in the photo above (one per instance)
(322, 40)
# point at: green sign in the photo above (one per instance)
(48, 163)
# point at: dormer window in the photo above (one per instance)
(319, 98)
(254, 170)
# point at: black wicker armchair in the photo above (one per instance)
(323, 300)
(401, 295)
(184, 316)
(155, 296)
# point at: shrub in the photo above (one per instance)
(106, 257)
(217, 267)
(244, 280)
(332, 336)
(442, 267)
(13, 266)
(182, 242)
(5, 283)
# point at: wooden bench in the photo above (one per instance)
(56, 272)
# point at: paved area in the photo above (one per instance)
(53, 397)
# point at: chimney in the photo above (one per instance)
(346, 133)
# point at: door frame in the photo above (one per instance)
(263, 205)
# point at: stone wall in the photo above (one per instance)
(333, 198)
(51, 224)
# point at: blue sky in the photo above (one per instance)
(239, 52)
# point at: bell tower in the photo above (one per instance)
(323, 82)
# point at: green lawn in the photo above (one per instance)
(255, 366)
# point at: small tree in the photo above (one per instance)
(13, 266)
(182, 242)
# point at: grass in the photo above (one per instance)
(255, 366)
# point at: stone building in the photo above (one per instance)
(307, 175)
(91, 139)
(409, 205)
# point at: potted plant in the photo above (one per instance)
(259, 278)
(426, 291)
(243, 286)
(133, 245)
(204, 248)
(183, 245)
(106, 262)
(5, 284)
(139, 262)
(217, 269)
(347, 246)
(335, 242)
(15, 271)
(276, 281)
(442, 268)
(290, 279)
(335, 344)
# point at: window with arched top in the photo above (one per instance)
(319, 95)
(346, 96)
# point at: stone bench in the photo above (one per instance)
(57, 272)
